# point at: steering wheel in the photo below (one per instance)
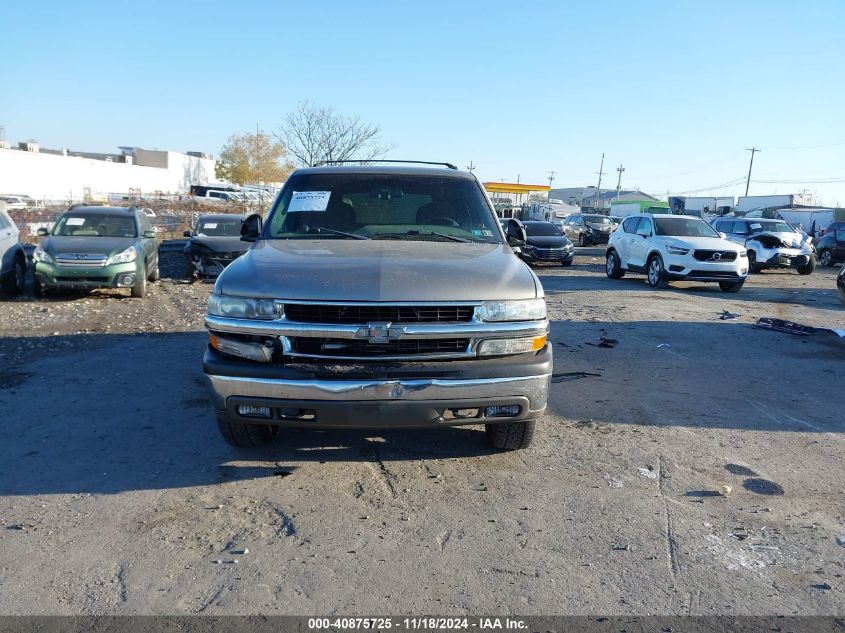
(443, 220)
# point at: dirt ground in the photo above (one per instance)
(696, 469)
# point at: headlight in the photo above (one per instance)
(674, 250)
(525, 310)
(241, 308)
(129, 255)
(40, 255)
(743, 254)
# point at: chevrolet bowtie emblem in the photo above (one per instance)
(380, 332)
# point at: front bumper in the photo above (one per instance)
(52, 276)
(787, 259)
(687, 268)
(393, 395)
(596, 237)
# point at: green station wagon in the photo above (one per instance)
(97, 247)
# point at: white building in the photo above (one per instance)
(59, 175)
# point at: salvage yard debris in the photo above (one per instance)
(790, 327)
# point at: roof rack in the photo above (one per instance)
(363, 160)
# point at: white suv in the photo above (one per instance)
(675, 248)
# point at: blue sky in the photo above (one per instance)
(674, 91)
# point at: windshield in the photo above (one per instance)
(597, 219)
(219, 227)
(683, 227)
(541, 229)
(381, 206)
(98, 225)
(772, 227)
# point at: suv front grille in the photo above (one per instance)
(319, 313)
(365, 349)
(715, 256)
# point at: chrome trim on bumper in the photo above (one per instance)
(469, 329)
(535, 388)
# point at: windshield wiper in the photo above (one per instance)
(320, 229)
(453, 238)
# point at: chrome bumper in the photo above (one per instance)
(381, 403)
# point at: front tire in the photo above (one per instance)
(613, 267)
(245, 435)
(567, 262)
(826, 257)
(510, 436)
(655, 273)
(808, 268)
(139, 290)
(731, 286)
(752, 263)
(39, 289)
(15, 283)
(156, 274)
(581, 240)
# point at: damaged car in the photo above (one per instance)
(214, 243)
(770, 243)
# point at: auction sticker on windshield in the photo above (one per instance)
(309, 201)
(75, 221)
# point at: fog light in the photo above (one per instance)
(127, 280)
(248, 411)
(499, 347)
(250, 351)
(502, 411)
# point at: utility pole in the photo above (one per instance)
(470, 167)
(753, 150)
(551, 178)
(620, 169)
(601, 173)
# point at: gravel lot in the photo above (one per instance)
(118, 496)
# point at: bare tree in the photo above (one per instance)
(251, 158)
(315, 134)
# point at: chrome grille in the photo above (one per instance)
(80, 260)
(714, 256)
(323, 313)
(352, 348)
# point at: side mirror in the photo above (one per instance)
(515, 233)
(644, 233)
(251, 228)
(149, 235)
(724, 235)
(42, 232)
(186, 234)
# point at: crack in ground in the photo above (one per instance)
(210, 601)
(388, 477)
(123, 592)
(671, 545)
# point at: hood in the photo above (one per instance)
(600, 227)
(704, 243)
(378, 270)
(220, 244)
(777, 239)
(96, 245)
(547, 241)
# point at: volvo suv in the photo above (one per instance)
(378, 297)
(671, 247)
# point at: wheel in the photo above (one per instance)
(15, 283)
(752, 263)
(139, 290)
(656, 274)
(510, 436)
(731, 286)
(156, 274)
(826, 257)
(245, 435)
(567, 262)
(581, 240)
(39, 289)
(809, 267)
(614, 266)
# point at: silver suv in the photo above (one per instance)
(378, 297)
